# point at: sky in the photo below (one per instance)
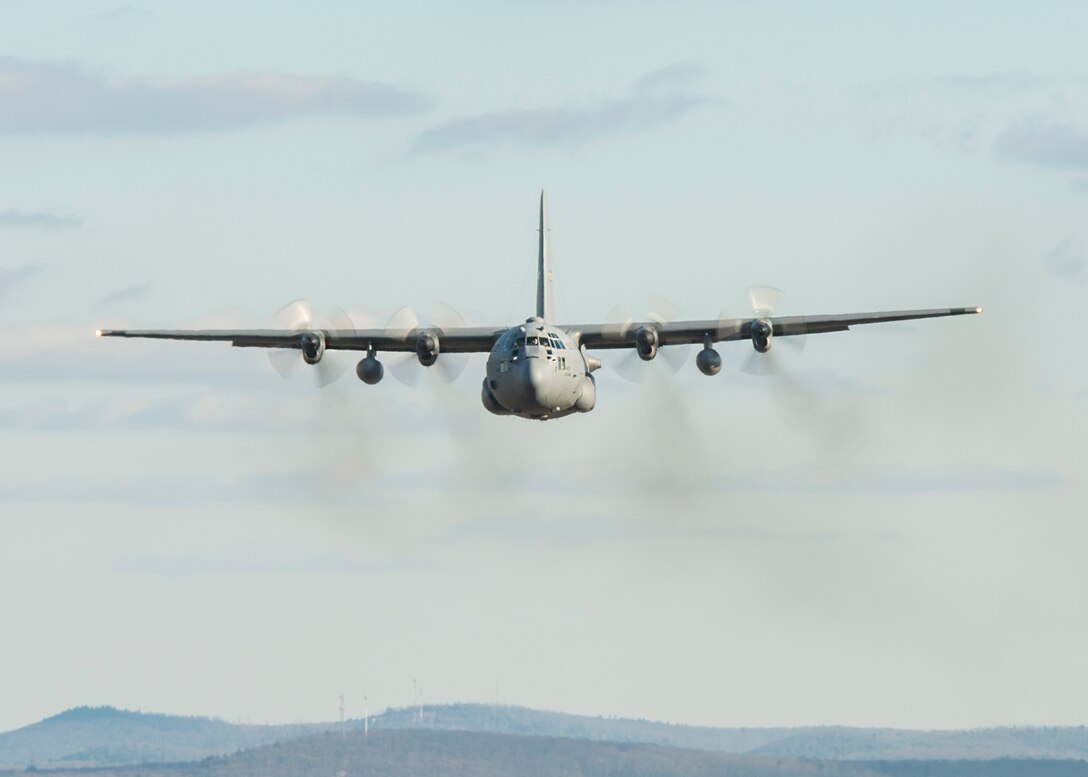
(888, 532)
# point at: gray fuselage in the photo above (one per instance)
(536, 370)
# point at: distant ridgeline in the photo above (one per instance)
(830, 742)
(96, 736)
(104, 736)
(423, 752)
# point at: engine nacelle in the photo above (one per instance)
(588, 397)
(762, 332)
(490, 403)
(709, 361)
(312, 345)
(427, 348)
(646, 342)
(369, 370)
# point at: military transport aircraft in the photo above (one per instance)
(539, 369)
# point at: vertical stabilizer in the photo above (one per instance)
(544, 307)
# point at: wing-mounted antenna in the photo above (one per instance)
(544, 307)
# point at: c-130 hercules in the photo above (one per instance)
(539, 369)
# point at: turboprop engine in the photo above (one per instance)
(313, 347)
(427, 348)
(762, 332)
(646, 342)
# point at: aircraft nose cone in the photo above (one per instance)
(533, 377)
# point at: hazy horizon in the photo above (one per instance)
(887, 534)
(334, 720)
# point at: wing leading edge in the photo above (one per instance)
(453, 340)
(605, 336)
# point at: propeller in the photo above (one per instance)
(405, 366)
(763, 300)
(451, 365)
(298, 316)
(620, 324)
(403, 321)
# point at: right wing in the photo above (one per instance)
(464, 339)
(605, 336)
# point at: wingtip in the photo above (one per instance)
(978, 310)
(98, 333)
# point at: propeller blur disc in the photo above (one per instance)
(763, 301)
(450, 365)
(662, 311)
(405, 365)
(297, 316)
(619, 324)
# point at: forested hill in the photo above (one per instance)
(89, 736)
(522, 720)
(428, 752)
(830, 742)
(103, 736)
(897, 744)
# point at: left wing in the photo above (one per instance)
(465, 339)
(607, 336)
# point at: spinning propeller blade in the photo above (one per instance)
(405, 366)
(763, 301)
(630, 365)
(298, 316)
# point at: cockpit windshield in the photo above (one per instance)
(532, 340)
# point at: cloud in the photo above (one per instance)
(676, 76)
(1015, 116)
(27, 219)
(809, 479)
(1068, 261)
(65, 97)
(1044, 143)
(64, 354)
(959, 85)
(655, 100)
(125, 295)
(209, 565)
(279, 488)
(206, 411)
(922, 480)
(14, 277)
(123, 14)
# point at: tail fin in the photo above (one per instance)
(544, 307)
